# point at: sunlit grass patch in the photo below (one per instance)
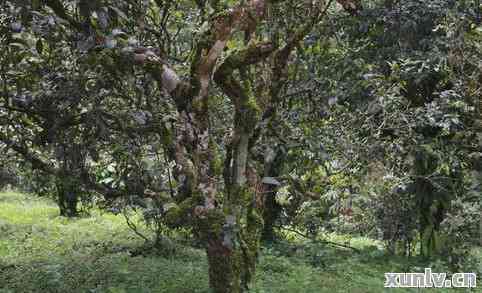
(18, 208)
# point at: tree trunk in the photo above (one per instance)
(233, 235)
(232, 259)
(271, 214)
(67, 200)
(273, 164)
(225, 267)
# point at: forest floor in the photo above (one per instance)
(42, 252)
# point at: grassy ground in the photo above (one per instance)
(42, 252)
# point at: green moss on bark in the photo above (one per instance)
(181, 214)
(224, 268)
(248, 115)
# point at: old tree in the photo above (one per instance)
(201, 82)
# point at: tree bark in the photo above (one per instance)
(271, 210)
(67, 199)
(232, 255)
(271, 213)
(225, 267)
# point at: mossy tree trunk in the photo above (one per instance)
(233, 249)
(232, 254)
(232, 246)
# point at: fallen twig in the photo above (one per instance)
(319, 240)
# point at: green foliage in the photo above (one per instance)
(367, 124)
(377, 95)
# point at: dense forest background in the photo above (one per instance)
(253, 131)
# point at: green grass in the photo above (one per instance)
(42, 252)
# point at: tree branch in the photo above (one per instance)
(319, 241)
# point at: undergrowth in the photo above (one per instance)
(43, 252)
